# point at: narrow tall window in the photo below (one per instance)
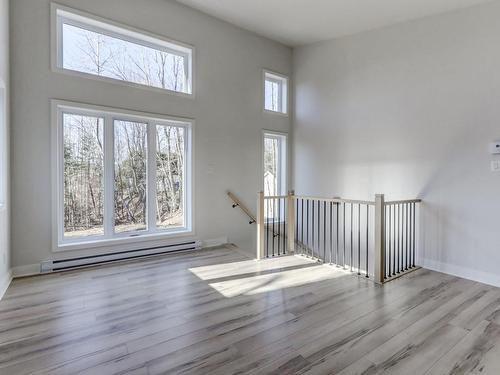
(100, 48)
(130, 176)
(170, 181)
(275, 164)
(275, 93)
(83, 175)
(120, 175)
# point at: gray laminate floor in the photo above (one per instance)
(216, 312)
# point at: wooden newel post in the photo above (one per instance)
(291, 222)
(379, 238)
(260, 226)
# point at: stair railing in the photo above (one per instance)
(375, 239)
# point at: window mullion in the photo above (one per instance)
(109, 178)
(151, 177)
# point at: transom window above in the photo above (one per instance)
(120, 175)
(100, 48)
(275, 93)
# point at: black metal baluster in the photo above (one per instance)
(401, 264)
(389, 240)
(302, 226)
(284, 226)
(343, 223)
(312, 229)
(279, 226)
(399, 216)
(331, 232)
(351, 237)
(274, 213)
(319, 230)
(414, 233)
(267, 229)
(406, 240)
(393, 240)
(296, 202)
(411, 237)
(307, 227)
(324, 231)
(367, 237)
(337, 205)
(386, 245)
(359, 238)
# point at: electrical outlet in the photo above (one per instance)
(495, 165)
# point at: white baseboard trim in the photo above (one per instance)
(35, 269)
(4, 283)
(463, 272)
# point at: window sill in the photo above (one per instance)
(114, 81)
(282, 114)
(155, 239)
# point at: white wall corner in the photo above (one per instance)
(220, 241)
(463, 272)
(27, 270)
(4, 283)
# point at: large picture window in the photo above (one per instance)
(92, 46)
(120, 174)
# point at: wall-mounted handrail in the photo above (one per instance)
(238, 203)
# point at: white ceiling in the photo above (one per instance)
(298, 22)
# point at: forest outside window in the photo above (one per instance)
(91, 46)
(120, 175)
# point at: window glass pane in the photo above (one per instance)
(170, 160)
(272, 93)
(271, 166)
(83, 175)
(130, 176)
(102, 55)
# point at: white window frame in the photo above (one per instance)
(59, 242)
(283, 81)
(71, 16)
(283, 158)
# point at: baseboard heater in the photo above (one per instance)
(94, 260)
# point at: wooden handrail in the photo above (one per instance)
(403, 202)
(238, 203)
(335, 200)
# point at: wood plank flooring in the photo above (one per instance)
(218, 312)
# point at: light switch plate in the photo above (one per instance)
(495, 148)
(495, 165)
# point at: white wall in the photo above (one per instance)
(4, 146)
(227, 109)
(409, 111)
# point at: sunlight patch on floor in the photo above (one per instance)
(254, 277)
